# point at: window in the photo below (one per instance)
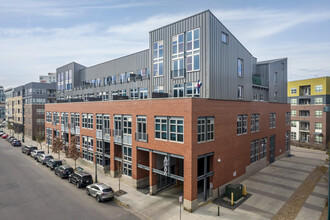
(263, 148)
(294, 124)
(293, 101)
(318, 138)
(318, 113)
(40, 121)
(143, 73)
(294, 91)
(287, 141)
(178, 56)
(134, 93)
(122, 78)
(293, 113)
(254, 151)
(127, 125)
(318, 101)
(191, 90)
(272, 120)
(87, 120)
(318, 125)
(127, 153)
(275, 96)
(287, 118)
(318, 88)
(99, 122)
(255, 122)
(192, 49)
(159, 89)
(143, 93)
(261, 97)
(158, 54)
(141, 124)
(239, 92)
(56, 118)
(40, 111)
(88, 148)
(48, 117)
(117, 125)
(169, 128)
(255, 96)
(106, 124)
(275, 78)
(224, 37)
(293, 136)
(242, 124)
(205, 130)
(176, 129)
(178, 90)
(240, 67)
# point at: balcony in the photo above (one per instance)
(305, 90)
(304, 113)
(118, 134)
(304, 101)
(256, 80)
(99, 134)
(141, 137)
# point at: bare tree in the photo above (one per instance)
(57, 146)
(40, 138)
(74, 153)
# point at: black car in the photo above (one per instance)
(52, 163)
(81, 179)
(16, 143)
(63, 171)
(27, 149)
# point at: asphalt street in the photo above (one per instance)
(29, 190)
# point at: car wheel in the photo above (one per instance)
(87, 192)
(78, 186)
(98, 199)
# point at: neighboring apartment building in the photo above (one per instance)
(35, 98)
(50, 78)
(196, 110)
(25, 106)
(2, 105)
(309, 124)
(8, 104)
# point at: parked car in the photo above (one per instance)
(44, 157)
(53, 163)
(81, 179)
(27, 149)
(35, 153)
(16, 143)
(63, 171)
(1, 133)
(100, 191)
(12, 140)
(9, 137)
(4, 136)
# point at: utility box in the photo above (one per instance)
(236, 189)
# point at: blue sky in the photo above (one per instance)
(38, 36)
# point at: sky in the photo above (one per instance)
(38, 36)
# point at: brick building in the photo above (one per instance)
(196, 110)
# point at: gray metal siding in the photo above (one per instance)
(165, 34)
(281, 86)
(223, 65)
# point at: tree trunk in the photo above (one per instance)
(59, 157)
(119, 186)
(75, 167)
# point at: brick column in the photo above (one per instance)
(152, 176)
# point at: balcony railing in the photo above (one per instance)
(141, 137)
(304, 128)
(117, 132)
(178, 73)
(99, 134)
(256, 80)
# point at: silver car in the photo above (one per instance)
(35, 153)
(100, 191)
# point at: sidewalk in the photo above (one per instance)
(270, 188)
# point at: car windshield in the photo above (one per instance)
(107, 190)
(40, 152)
(58, 162)
(33, 148)
(69, 170)
(49, 157)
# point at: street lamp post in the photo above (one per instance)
(95, 171)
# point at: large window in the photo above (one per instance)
(178, 56)
(106, 124)
(318, 101)
(294, 91)
(134, 93)
(272, 120)
(192, 49)
(127, 125)
(56, 118)
(293, 101)
(287, 140)
(293, 113)
(254, 152)
(240, 67)
(159, 89)
(117, 125)
(293, 135)
(241, 124)
(127, 160)
(318, 88)
(287, 118)
(143, 93)
(255, 121)
(158, 55)
(318, 113)
(318, 125)
(169, 128)
(224, 37)
(141, 124)
(205, 130)
(178, 90)
(48, 117)
(88, 148)
(263, 148)
(87, 120)
(318, 138)
(191, 90)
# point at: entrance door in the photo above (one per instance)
(272, 147)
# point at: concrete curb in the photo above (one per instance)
(120, 202)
